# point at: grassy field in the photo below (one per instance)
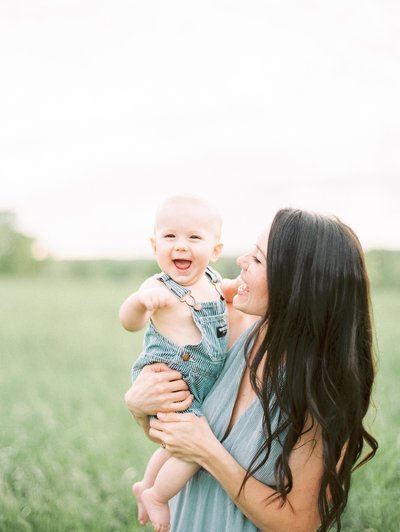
(69, 449)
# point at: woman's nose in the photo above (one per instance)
(241, 262)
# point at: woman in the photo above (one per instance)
(283, 426)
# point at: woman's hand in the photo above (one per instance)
(158, 389)
(185, 436)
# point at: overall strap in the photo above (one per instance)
(215, 279)
(178, 290)
(213, 275)
(184, 294)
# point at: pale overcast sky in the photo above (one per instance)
(107, 107)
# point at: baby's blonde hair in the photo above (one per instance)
(211, 211)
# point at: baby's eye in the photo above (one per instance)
(169, 235)
(194, 237)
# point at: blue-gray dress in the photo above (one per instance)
(203, 505)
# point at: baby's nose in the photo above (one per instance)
(181, 244)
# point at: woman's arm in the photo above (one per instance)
(157, 389)
(191, 439)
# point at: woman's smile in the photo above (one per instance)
(243, 289)
(252, 293)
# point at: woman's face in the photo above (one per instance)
(252, 295)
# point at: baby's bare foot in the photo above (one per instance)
(158, 512)
(137, 490)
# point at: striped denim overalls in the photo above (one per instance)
(199, 364)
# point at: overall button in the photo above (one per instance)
(185, 357)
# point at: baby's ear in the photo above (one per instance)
(216, 251)
(153, 244)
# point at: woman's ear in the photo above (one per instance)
(216, 251)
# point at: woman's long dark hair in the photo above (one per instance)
(318, 340)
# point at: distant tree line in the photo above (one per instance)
(383, 268)
(122, 269)
(16, 249)
(17, 257)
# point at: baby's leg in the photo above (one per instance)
(170, 480)
(154, 465)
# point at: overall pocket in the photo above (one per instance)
(215, 335)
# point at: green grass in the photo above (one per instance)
(375, 493)
(69, 449)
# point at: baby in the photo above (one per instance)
(187, 328)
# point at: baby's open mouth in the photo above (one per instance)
(182, 264)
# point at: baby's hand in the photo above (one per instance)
(155, 298)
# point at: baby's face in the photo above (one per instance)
(186, 238)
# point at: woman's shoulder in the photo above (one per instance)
(239, 323)
(240, 333)
(239, 343)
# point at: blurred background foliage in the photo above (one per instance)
(16, 249)
(21, 254)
